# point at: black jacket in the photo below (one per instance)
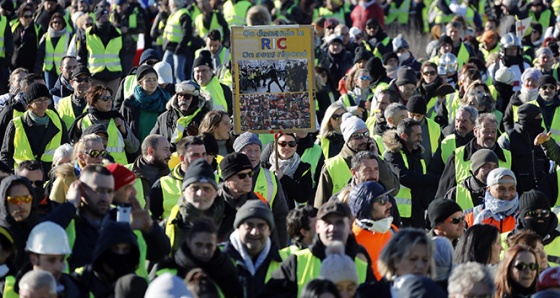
(26, 43)
(61, 89)
(475, 187)
(508, 119)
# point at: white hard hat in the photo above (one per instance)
(48, 238)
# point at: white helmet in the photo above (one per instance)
(447, 64)
(48, 238)
(510, 40)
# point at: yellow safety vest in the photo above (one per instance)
(139, 187)
(556, 7)
(66, 111)
(115, 144)
(463, 54)
(462, 166)
(3, 24)
(554, 126)
(171, 190)
(266, 185)
(463, 197)
(376, 51)
(544, 19)
(553, 252)
(101, 57)
(182, 124)
(312, 155)
(404, 197)
(435, 133)
(224, 55)
(379, 141)
(161, 26)
(236, 14)
(203, 31)
(398, 13)
(339, 172)
(9, 284)
(22, 147)
(128, 86)
(54, 55)
(325, 145)
(173, 31)
(486, 53)
(217, 93)
(340, 15)
(309, 267)
(441, 18)
(448, 145)
(15, 24)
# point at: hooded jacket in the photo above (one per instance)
(19, 230)
(509, 118)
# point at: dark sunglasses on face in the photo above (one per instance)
(56, 22)
(382, 199)
(82, 80)
(336, 116)
(18, 199)
(430, 73)
(244, 175)
(185, 96)
(457, 220)
(546, 87)
(97, 153)
(359, 136)
(27, 16)
(537, 213)
(523, 266)
(292, 144)
(106, 98)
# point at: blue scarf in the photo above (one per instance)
(152, 103)
(497, 209)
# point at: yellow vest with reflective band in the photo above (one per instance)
(138, 187)
(448, 145)
(266, 185)
(554, 125)
(544, 19)
(22, 147)
(340, 15)
(399, 14)
(236, 14)
(171, 191)
(556, 7)
(442, 18)
(312, 155)
(435, 133)
(553, 252)
(217, 93)
(161, 26)
(376, 51)
(9, 284)
(379, 141)
(182, 124)
(431, 108)
(225, 77)
(469, 17)
(214, 25)
(462, 167)
(309, 267)
(101, 57)
(173, 31)
(339, 172)
(463, 197)
(53, 55)
(404, 197)
(325, 144)
(3, 24)
(66, 111)
(115, 144)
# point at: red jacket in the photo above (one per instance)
(360, 15)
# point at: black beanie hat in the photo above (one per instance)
(143, 70)
(480, 157)
(547, 79)
(35, 91)
(416, 104)
(445, 39)
(406, 75)
(532, 200)
(361, 54)
(99, 11)
(252, 209)
(375, 68)
(204, 58)
(440, 209)
(528, 111)
(388, 56)
(234, 163)
(199, 171)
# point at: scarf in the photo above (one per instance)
(54, 33)
(188, 213)
(154, 102)
(97, 114)
(288, 166)
(39, 120)
(497, 209)
(251, 267)
(375, 226)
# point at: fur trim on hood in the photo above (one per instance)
(65, 170)
(392, 141)
(200, 101)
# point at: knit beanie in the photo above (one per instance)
(164, 72)
(505, 75)
(416, 104)
(440, 209)
(547, 80)
(360, 199)
(496, 174)
(532, 200)
(388, 56)
(530, 73)
(544, 50)
(528, 111)
(337, 266)
(406, 75)
(234, 163)
(245, 139)
(399, 43)
(149, 54)
(204, 58)
(254, 209)
(122, 175)
(361, 54)
(143, 70)
(350, 125)
(167, 285)
(199, 171)
(100, 11)
(443, 258)
(444, 39)
(480, 157)
(35, 91)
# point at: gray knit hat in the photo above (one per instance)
(246, 138)
(496, 175)
(337, 266)
(480, 157)
(350, 125)
(252, 209)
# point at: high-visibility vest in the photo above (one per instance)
(486, 53)
(448, 145)
(236, 14)
(505, 225)
(224, 56)
(554, 125)
(66, 111)
(398, 13)
(339, 172)
(266, 185)
(376, 51)
(462, 166)
(3, 24)
(161, 27)
(370, 123)
(463, 197)
(171, 190)
(182, 124)
(373, 243)
(217, 93)
(214, 25)
(553, 252)
(282, 14)
(556, 7)
(440, 17)
(309, 267)
(288, 251)
(101, 57)
(340, 15)
(9, 285)
(54, 55)
(404, 197)
(435, 133)
(22, 147)
(173, 31)
(544, 19)
(312, 155)
(325, 145)
(115, 144)
(170, 225)
(128, 86)
(463, 54)
(379, 141)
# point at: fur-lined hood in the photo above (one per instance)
(393, 142)
(197, 102)
(65, 170)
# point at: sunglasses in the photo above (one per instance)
(27, 16)
(365, 78)
(457, 220)
(536, 213)
(19, 199)
(244, 175)
(185, 96)
(382, 199)
(336, 116)
(523, 266)
(97, 153)
(82, 80)
(359, 136)
(430, 73)
(546, 87)
(56, 22)
(107, 98)
(292, 144)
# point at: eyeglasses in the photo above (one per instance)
(107, 98)
(365, 78)
(456, 220)
(537, 213)
(82, 80)
(524, 266)
(336, 116)
(56, 22)
(382, 199)
(185, 96)
(19, 199)
(359, 136)
(292, 144)
(372, 28)
(97, 153)
(27, 16)
(546, 87)
(430, 73)
(244, 175)
(42, 100)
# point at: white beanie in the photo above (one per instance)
(164, 72)
(350, 125)
(337, 266)
(167, 285)
(505, 75)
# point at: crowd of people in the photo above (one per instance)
(429, 176)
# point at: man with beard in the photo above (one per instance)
(404, 156)
(74, 105)
(336, 171)
(529, 162)
(511, 55)
(376, 41)
(549, 104)
(457, 166)
(461, 135)
(446, 219)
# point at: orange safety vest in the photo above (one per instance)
(506, 225)
(374, 243)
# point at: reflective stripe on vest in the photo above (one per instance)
(266, 185)
(170, 225)
(312, 155)
(3, 24)
(171, 191)
(21, 142)
(217, 93)
(101, 57)
(553, 252)
(448, 145)
(462, 166)
(66, 110)
(53, 55)
(115, 144)
(400, 14)
(376, 51)
(173, 31)
(463, 197)
(236, 14)
(203, 31)
(182, 124)
(339, 172)
(435, 133)
(309, 267)
(404, 197)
